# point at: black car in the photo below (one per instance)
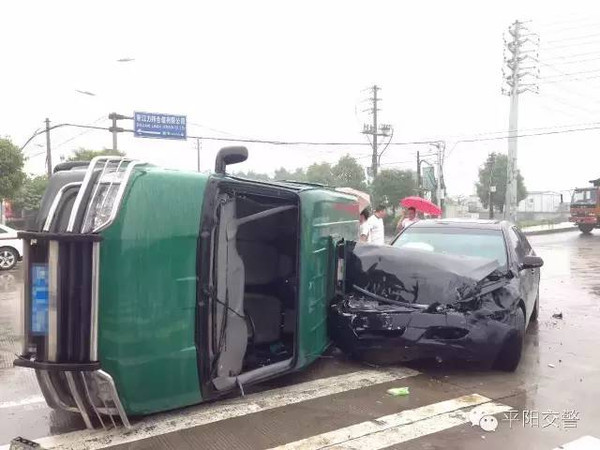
(442, 289)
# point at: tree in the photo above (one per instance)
(320, 173)
(348, 173)
(283, 174)
(30, 195)
(392, 185)
(496, 165)
(11, 169)
(83, 154)
(251, 175)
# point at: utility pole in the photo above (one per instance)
(48, 149)
(521, 61)
(491, 188)
(114, 129)
(374, 155)
(375, 129)
(198, 148)
(439, 194)
(419, 180)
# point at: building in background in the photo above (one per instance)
(544, 205)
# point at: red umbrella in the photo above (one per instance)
(421, 204)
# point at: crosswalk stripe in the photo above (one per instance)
(26, 401)
(400, 427)
(393, 420)
(583, 443)
(205, 414)
(393, 436)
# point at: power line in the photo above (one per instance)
(567, 57)
(570, 74)
(561, 26)
(568, 80)
(572, 38)
(80, 134)
(573, 44)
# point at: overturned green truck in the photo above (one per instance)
(149, 289)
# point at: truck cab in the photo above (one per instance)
(149, 289)
(585, 207)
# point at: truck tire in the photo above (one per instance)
(586, 229)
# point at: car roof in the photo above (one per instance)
(475, 224)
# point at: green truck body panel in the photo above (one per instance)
(324, 214)
(148, 291)
(148, 284)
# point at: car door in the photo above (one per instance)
(526, 276)
(528, 251)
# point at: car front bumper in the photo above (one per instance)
(386, 337)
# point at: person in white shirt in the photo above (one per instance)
(374, 227)
(363, 233)
(407, 221)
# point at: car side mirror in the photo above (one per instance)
(532, 262)
(230, 155)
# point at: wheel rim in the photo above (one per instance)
(7, 259)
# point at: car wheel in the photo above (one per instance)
(586, 229)
(8, 258)
(536, 309)
(510, 355)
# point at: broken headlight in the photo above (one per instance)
(472, 304)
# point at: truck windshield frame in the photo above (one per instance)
(585, 196)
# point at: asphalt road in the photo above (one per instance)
(551, 400)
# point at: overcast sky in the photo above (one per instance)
(297, 71)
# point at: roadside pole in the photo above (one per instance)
(419, 181)
(198, 147)
(114, 129)
(48, 149)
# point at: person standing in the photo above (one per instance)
(363, 233)
(374, 227)
(407, 221)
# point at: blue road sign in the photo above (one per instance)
(155, 125)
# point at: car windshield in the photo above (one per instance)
(487, 244)
(585, 196)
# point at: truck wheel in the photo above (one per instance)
(510, 355)
(586, 229)
(8, 258)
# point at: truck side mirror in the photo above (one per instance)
(230, 155)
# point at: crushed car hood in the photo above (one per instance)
(416, 276)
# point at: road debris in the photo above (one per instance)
(400, 391)
(552, 366)
(557, 315)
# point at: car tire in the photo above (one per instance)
(8, 258)
(586, 229)
(510, 355)
(536, 309)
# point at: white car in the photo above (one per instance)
(11, 248)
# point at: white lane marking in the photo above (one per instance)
(204, 414)
(23, 402)
(397, 435)
(403, 426)
(583, 443)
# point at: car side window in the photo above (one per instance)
(2, 230)
(515, 243)
(524, 242)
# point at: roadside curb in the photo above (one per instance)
(549, 231)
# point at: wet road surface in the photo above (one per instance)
(552, 399)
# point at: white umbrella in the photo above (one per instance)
(363, 198)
